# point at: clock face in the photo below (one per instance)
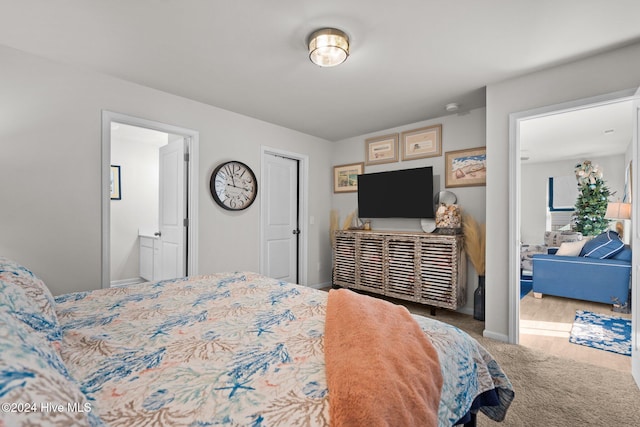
(233, 186)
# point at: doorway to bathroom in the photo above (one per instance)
(149, 219)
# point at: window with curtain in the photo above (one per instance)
(562, 196)
(563, 193)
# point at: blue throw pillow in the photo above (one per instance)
(603, 246)
(624, 254)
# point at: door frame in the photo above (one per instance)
(635, 265)
(192, 142)
(303, 208)
(514, 190)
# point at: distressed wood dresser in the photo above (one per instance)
(420, 267)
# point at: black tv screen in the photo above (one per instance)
(406, 193)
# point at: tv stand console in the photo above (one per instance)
(421, 267)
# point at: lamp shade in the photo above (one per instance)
(618, 210)
(328, 47)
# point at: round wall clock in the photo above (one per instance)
(233, 185)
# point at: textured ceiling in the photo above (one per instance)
(409, 57)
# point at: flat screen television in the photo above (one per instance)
(406, 193)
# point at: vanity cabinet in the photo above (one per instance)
(149, 257)
(421, 267)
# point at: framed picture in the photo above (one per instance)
(345, 177)
(466, 168)
(422, 143)
(381, 149)
(115, 183)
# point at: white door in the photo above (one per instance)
(172, 211)
(635, 242)
(281, 231)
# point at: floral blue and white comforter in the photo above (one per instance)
(236, 349)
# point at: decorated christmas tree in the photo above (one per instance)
(593, 197)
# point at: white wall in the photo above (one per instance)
(601, 74)
(459, 131)
(138, 208)
(534, 188)
(50, 171)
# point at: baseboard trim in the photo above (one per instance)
(320, 285)
(126, 282)
(496, 336)
(466, 310)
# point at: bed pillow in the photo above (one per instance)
(36, 380)
(571, 248)
(605, 245)
(15, 302)
(41, 300)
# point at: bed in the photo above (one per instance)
(236, 349)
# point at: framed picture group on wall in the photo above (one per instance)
(462, 168)
(413, 144)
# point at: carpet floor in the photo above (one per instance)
(552, 391)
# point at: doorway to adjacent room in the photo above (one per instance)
(545, 323)
(149, 219)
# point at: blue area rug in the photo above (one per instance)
(526, 285)
(603, 332)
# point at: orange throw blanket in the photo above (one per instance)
(381, 368)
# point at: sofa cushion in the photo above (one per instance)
(605, 245)
(571, 248)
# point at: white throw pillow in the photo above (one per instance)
(571, 248)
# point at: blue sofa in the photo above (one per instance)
(584, 278)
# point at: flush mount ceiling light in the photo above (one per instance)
(328, 47)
